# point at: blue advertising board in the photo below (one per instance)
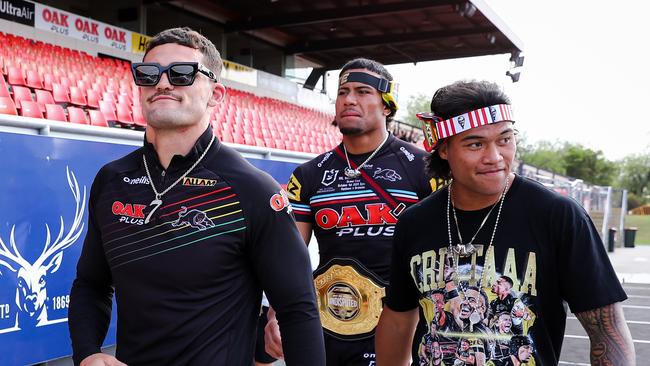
(43, 213)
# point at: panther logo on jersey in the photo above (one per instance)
(387, 174)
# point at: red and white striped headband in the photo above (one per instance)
(436, 129)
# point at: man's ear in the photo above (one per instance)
(442, 149)
(218, 93)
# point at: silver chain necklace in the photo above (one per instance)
(157, 202)
(355, 173)
(466, 250)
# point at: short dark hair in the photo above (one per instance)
(456, 99)
(188, 37)
(377, 68)
(509, 280)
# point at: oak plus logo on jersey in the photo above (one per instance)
(32, 301)
(129, 213)
(280, 201)
(376, 220)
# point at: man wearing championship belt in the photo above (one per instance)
(351, 198)
(506, 252)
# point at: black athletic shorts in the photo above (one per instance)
(260, 354)
(350, 353)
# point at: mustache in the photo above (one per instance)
(163, 93)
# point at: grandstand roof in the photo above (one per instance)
(329, 32)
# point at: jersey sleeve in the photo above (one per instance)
(299, 196)
(587, 278)
(401, 293)
(281, 262)
(91, 295)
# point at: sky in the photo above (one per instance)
(585, 77)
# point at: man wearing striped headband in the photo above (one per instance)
(486, 225)
(350, 198)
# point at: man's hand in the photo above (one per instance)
(101, 359)
(272, 337)
(611, 341)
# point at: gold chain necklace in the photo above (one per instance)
(157, 202)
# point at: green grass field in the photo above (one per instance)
(642, 222)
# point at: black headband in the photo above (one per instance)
(381, 84)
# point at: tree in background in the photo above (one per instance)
(570, 159)
(635, 177)
(416, 104)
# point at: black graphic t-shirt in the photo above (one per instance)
(506, 301)
(349, 218)
(189, 283)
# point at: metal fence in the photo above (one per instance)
(605, 205)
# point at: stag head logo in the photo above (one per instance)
(31, 290)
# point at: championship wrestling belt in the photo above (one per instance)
(349, 298)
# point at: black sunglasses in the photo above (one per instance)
(178, 73)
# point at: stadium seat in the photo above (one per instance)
(7, 106)
(108, 109)
(60, 93)
(15, 76)
(97, 118)
(138, 117)
(93, 98)
(77, 96)
(4, 91)
(77, 115)
(29, 108)
(43, 97)
(21, 94)
(34, 79)
(124, 114)
(48, 80)
(55, 112)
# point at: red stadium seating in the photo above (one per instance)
(77, 115)
(15, 75)
(34, 79)
(77, 96)
(44, 97)
(4, 90)
(29, 108)
(21, 94)
(7, 106)
(138, 118)
(97, 118)
(55, 112)
(60, 93)
(124, 114)
(103, 94)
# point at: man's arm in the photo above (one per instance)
(394, 335)
(91, 296)
(305, 231)
(611, 341)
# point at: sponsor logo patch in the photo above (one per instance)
(129, 213)
(407, 153)
(293, 188)
(199, 182)
(280, 201)
(140, 180)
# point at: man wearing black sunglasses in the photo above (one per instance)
(190, 248)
